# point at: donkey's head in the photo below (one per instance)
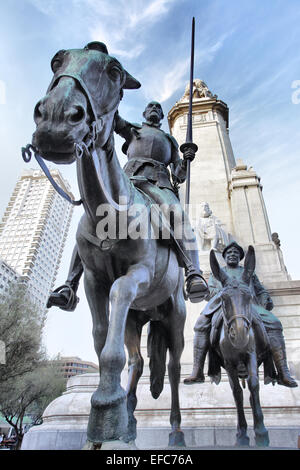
(81, 101)
(236, 297)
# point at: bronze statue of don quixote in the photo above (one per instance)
(130, 280)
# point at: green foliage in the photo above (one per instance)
(28, 382)
(21, 326)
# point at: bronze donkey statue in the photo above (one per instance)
(240, 345)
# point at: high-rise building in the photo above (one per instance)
(33, 231)
(7, 275)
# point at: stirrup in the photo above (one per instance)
(196, 287)
(57, 297)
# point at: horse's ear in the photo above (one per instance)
(249, 265)
(217, 271)
(97, 46)
(130, 82)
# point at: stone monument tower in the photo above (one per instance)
(233, 191)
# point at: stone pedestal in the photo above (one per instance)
(208, 415)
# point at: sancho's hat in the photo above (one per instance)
(242, 254)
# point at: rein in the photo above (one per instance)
(27, 155)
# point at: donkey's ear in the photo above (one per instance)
(130, 82)
(217, 271)
(249, 265)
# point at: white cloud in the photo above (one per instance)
(170, 79)
(127, 19)
(150, 14)
(130, 20)
(174, 76)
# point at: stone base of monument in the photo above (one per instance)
(208, 416)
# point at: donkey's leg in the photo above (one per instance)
(133, 333)
(175, 326)
(110, 401)
(261, 434)
(241, 437)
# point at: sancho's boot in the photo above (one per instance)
(279, 356)
(201, 342)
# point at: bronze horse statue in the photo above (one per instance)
(128, 282)
(240, 345)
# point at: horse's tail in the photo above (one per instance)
(157, 352)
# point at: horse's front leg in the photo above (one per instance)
(241, 438)
(109, 420)
(261, 434)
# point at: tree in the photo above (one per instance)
(27, 383)
(29, 395)
(21, 327)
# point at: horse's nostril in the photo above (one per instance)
(38, 112)
(77, 115)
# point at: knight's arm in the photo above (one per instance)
(125, 129)
(177, 166)
(262, 294)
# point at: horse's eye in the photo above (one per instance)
(114, 72)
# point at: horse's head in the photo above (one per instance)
(236, 297)
(81, 101)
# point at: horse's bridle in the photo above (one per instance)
(86, 146)
(234, 317)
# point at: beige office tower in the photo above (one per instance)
(34, 229)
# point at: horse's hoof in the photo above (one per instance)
(91, 446)
(108, 420)
(176, 439)
(242, 441)
(118, 444)
(262, 440)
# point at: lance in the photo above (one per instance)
(189, 149)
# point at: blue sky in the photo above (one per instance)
(247, 52)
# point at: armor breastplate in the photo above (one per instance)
(153, 143)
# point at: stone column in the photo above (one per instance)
(251, 224)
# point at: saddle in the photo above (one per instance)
(160, 225)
